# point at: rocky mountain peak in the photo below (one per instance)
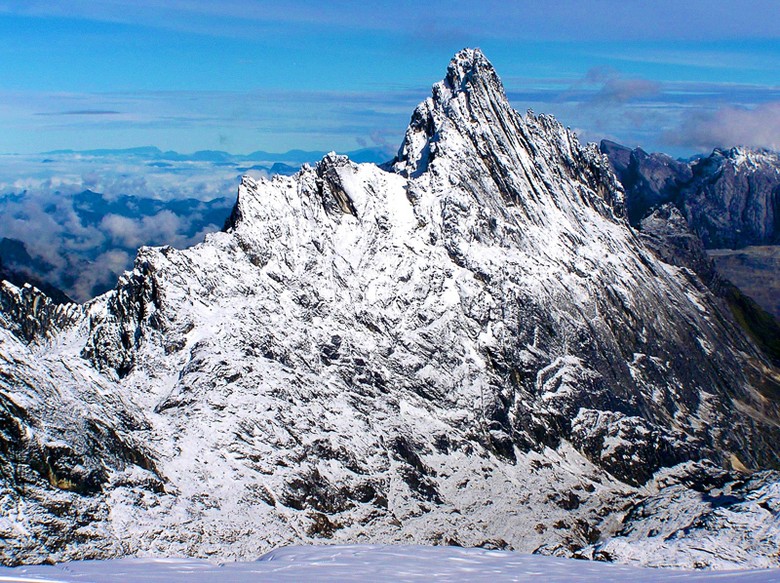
(468, 132)
(447, 353)
(470, 71)
(471, 97)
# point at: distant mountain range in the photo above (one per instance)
(730, 198)
(375, 155)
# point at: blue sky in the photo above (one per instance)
(241, 76)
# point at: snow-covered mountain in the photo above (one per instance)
(468, 346)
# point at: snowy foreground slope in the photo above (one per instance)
(469, 346)
(361, 563)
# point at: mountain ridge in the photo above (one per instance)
(731, 198)
(473, 349)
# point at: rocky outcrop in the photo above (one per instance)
(32, 315)
(66, 439)
(694, 517)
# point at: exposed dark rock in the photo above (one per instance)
(731, 198)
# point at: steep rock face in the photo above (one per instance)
(756, 270)
(649, 180)
(67, 436)
(737, 199)
(730, 198)
(470, 346)
(666, 232)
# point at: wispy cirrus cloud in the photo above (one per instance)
(562, 20)
(274, 120)
(80, 112)
(602, 103)
(680, 118)
(694, 56)
(608, 87)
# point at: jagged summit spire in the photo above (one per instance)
(470, 94)
(470, 67)
(467, 131)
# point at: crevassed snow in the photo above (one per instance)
(371, 563)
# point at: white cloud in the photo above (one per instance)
(757, 127)
(85, 241)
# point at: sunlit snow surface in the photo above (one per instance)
(371, 563)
